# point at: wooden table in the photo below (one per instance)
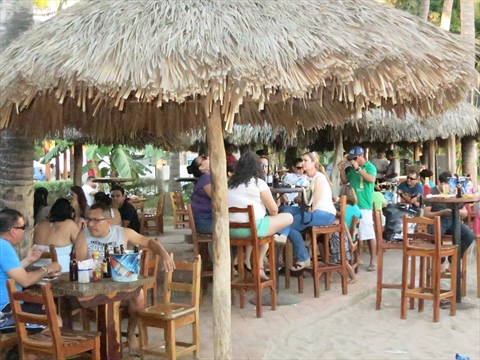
(106, 295)
(455, 204)
(113, 181)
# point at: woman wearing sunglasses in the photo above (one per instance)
(202, 194)
(59, 230)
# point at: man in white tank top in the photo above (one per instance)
(100, 232)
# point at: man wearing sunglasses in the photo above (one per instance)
(12, 229)
(362, 179)
(410, 191)
(99, 233)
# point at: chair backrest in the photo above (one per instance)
(177, 200)
(435, 238)
(44, 297)
(193, 288)
(251, 224)
(191, 222)
(149, 267)
(377, 224)
(50, 254)
(160, 205)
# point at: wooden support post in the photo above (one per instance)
(65, 165)
(416, 152)
(77, 164)
(337, 157)
(452, 154)
(432, 165)
(469, 158)
(57, 167)
(221, 238)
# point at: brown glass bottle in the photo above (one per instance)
(276, 178)
(116, 250)
(106, 266)
(122, 249)
(136, 249)
(73, 266)
(459, 188)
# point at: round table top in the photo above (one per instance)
(451, 199)
(285, 190)
(113, 180)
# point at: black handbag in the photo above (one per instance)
(394, 220)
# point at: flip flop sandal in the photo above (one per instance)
(300, 265)
(372, 267)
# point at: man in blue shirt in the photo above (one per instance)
(12, 228)
(410, 191)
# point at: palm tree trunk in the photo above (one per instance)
(16, 180)
(446, 14)
(469, 146)
(424, 9)
(337, 157)
(174, 172)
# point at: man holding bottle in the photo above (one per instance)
(99, 233)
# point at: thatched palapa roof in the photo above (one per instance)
(122, 67)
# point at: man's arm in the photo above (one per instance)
(427, 212)
(135, 238)
(26, 279)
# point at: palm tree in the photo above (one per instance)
(424, 9)
(469, 146)
(16, 152)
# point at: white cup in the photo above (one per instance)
(84, 276)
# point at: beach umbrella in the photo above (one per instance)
(160, 65)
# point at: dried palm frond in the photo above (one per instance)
(157, 65)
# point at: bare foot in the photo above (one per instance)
(352, 281)
(133, 345)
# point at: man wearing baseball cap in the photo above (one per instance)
(362, 180)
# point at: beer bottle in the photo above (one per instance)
(276, 178)
(116, 250)
(73, 266)
(122, 249)
(459, 187)
(136, 249)
(106, 266)
(97, 267)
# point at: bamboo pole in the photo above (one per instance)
(431, 154)
(221, 238)
(77, 164)
(452, 154)
(337, 157)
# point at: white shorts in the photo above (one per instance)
(366, 230)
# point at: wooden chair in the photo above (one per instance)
(448, 239)
(156, 218)
(140, 206)
(179, 210)
(52, 342)
(200, 247)
(325, 267)
(383, 245)
(170, 316)
(354, 245)
(255, 283)
(149, 267)
(423, 248)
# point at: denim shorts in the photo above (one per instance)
(262, 228)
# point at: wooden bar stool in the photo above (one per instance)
(200, 247)
(325, 267)
(383, 245)
(179, 210)
(255, 283)
(424, 248)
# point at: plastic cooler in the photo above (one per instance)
(125, 267)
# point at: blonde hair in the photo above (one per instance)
(320, 168)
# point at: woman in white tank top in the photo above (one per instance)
(320, 213)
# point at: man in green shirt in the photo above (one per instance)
(362, 180)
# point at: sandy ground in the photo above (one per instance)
(339, 327)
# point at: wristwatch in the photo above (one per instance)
(46, 270)
(358, 169)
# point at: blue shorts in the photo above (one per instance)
(262, 228)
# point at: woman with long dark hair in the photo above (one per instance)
(248, 187)
(59, 230)
(79, 203)
(40, 205)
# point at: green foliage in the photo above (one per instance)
(38, 151)
(56, 189)
(142, 187)
(60, 147)
(154, 152)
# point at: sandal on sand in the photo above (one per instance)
(300, 265)
(372, 267)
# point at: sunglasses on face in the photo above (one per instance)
(20, 227)
(411, 178)
(299, 167)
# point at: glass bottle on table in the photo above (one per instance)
(73, 266)
(97, 267)
(276, 178)
(122, 249)
(426, 187)
(106, 266)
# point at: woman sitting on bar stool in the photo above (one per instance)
(202, 194)
(320, 213)
(248, 187)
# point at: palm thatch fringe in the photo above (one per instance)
(337, 57)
